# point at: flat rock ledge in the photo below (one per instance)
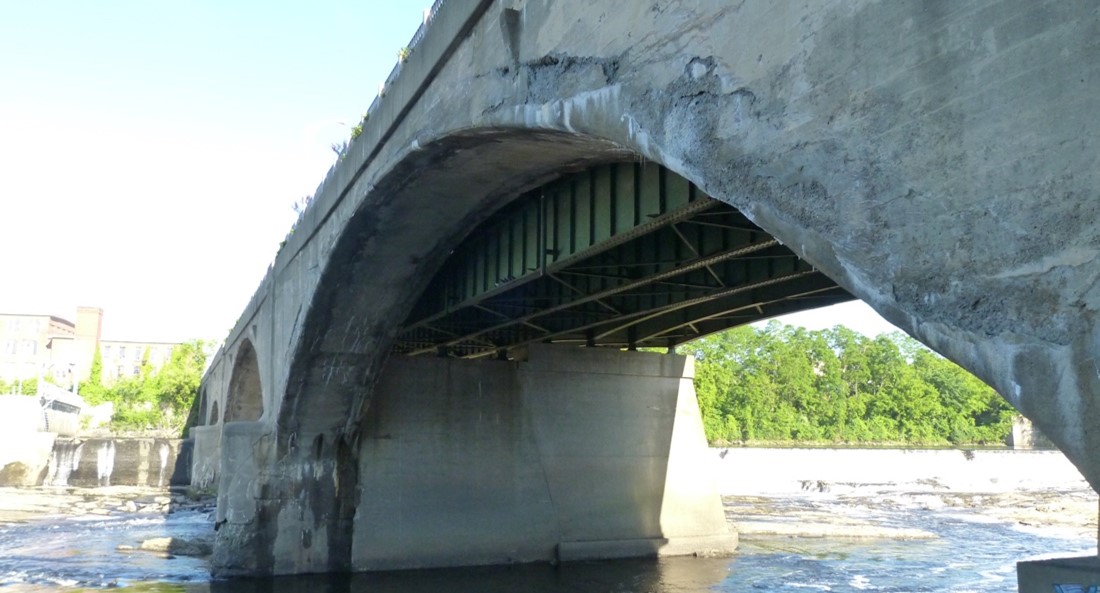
(172, 546)
(748, 529)
(30, 503)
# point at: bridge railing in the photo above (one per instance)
(428, 48)
(379, 99)
(429, 16)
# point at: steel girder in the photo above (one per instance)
(622, 255)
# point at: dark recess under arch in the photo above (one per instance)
(245, 399)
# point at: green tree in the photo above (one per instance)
(781, 383)
(92, 390)
(156, 400)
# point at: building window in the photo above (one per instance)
(30, 347)
(9, 347)
(121, 354)
(137, 370)
(107, 351)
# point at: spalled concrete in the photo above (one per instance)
(936, 159)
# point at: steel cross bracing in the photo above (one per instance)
(622, 255)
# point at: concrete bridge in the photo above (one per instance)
(418, 381)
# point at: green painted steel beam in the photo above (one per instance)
(626, 254)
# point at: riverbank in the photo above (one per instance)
(19, 505)
(818, 493)
(1066, 513)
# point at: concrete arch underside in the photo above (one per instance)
(911, 174)
(244, 401)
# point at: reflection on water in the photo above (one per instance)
(665, 576)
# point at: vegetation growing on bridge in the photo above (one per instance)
(788, 384)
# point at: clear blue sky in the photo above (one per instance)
(151, 151)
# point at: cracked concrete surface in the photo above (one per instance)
(939, 160)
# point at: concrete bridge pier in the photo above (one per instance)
(572, 454)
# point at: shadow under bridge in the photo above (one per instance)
(622, 255)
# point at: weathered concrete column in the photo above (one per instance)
(575, 454)
(206, 455)
(241, 545)
(281, 509)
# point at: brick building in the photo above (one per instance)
(49, 346)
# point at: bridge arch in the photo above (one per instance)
(890, 169)
(346, 339)
(244, 399)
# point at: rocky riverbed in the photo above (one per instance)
(28, 505)
(865, 512)
(829, 520)
(25, 504)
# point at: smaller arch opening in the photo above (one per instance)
(204, 405)
(245, 401)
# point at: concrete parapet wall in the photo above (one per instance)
(576, 454)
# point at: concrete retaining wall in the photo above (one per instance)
(117, 462)
(573, 455)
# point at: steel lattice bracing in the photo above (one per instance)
(622, 255)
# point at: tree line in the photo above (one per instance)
(153, 400)
(783, 383)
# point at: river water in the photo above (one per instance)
(973, 539)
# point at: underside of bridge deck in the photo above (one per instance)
(625, 255)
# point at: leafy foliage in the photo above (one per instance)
(27, 386)
(24, 387)
(789, 384)
(358, 129)
(153, 401)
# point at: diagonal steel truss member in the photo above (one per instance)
(621, 255)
